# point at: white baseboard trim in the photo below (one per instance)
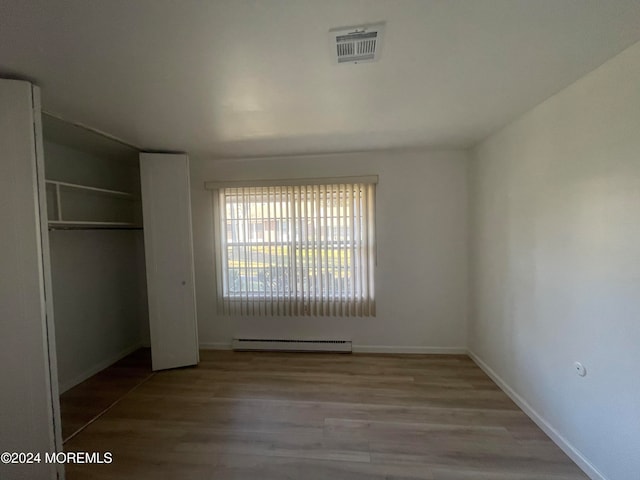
(215, 346)
(90, 372)
(572, 452)
(409, 349)
(367, 349)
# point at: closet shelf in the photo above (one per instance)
(105, 191)
(65, 215)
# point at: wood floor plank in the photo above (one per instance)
(271, 416)
(82, 403)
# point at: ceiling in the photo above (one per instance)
(256, 77)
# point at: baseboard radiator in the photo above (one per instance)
(282, 345)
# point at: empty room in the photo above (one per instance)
(320, 239)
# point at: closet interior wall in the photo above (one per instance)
(97, 250)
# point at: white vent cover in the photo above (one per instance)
(357, 44)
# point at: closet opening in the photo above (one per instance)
(97, 268)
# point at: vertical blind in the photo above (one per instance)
(296, 249)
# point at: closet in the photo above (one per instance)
(104, 313)
(97, 268)
(73, 289)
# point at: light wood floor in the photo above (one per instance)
(268, 416)
(82, 403)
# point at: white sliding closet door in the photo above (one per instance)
(29, 415)
(166, 208)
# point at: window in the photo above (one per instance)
(296, 249)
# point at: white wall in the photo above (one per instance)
(421, 276)
(98, 300)
(99, 286)
(556, 263)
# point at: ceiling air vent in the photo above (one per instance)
(357, 44)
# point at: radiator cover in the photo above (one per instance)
(285, 345)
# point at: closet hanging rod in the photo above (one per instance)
(83, 225)
(95, 228)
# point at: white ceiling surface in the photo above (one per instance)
(252, 78)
